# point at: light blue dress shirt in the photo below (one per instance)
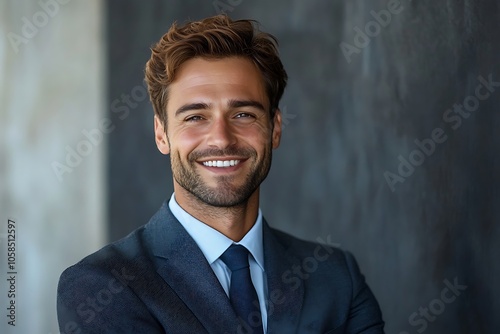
(213, 244)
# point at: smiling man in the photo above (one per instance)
(207, 261)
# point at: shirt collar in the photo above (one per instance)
(213, 243)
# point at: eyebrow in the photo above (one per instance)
(246, 103)
(191, 106)
(233, 104)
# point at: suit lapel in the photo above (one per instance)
(285, 294)
(182, 265)
(185, 269)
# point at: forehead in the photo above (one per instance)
(226, 78)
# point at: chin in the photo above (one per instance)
(217, 198)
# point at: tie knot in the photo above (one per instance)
(235, 257)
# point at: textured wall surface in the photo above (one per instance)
(51, 89)
(366, 89)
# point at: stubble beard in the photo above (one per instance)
(225, 194)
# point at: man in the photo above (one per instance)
(208, 262)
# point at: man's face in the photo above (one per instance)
(220, 134)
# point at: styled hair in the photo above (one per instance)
(213, 38)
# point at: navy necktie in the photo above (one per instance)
(242, 294)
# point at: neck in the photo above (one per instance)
(234, 222)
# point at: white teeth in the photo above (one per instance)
(221, 163)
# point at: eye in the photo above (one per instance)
(194, 118)
(244, 115)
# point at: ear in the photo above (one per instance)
(277, 128)
(161, 137)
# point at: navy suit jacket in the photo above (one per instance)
(157, 280)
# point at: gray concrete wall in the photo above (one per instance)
(51, 89)
(348, 121)
(350, 116)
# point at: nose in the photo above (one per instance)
(221, 135)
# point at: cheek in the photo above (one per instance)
(261, 133)
(260, 141)
(185, 141)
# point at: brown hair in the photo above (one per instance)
(214, 37)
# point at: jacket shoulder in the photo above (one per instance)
(95, 290)
(105, 264)
(303, 247)
(324, 260)
(336, 288)
(129, 247)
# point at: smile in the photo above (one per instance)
(221, 163)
